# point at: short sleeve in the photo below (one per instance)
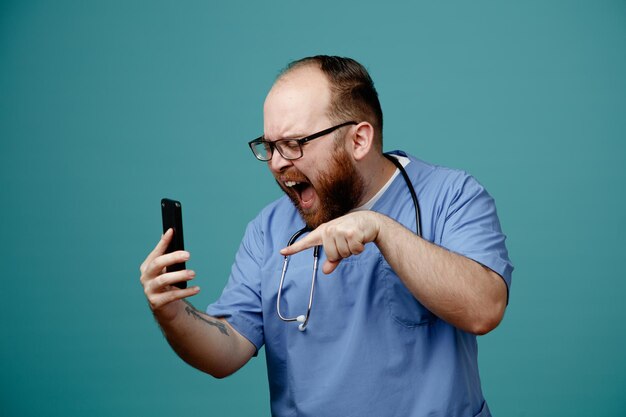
(473, 230)
(240, 303)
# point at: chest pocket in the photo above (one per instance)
(401, 304)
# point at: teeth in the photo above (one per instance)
(291, 183)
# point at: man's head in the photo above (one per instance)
(353, 96)
(309, 96)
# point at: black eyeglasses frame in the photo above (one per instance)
(300, 142)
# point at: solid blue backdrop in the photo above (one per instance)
(106, 107)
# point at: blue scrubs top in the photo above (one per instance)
(370, 348)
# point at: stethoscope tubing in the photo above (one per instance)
(304, 319)
(407, 180)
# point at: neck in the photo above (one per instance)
(376, 172)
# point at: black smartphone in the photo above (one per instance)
(172, 213)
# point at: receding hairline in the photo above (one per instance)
(289, 74)
(334, 70)
(296, 66)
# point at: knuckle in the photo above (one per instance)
(148, 289)
(357, 247)
(153, 265)
(170, 296)
(152, 302)
(159, 281)
(144, 278)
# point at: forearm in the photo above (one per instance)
(206, 343)
(457, 289)
(460, 291)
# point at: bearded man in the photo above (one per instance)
(392, 329)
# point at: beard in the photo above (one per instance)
(338, 190)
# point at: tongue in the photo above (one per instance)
(307, 195)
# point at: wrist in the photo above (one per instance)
(168, 314)
(380, 226)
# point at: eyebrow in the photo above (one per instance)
(288, 137)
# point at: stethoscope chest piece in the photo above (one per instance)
(303, 319)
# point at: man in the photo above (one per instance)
(392, 329)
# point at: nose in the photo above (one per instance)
(278, 164)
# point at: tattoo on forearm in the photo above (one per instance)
(221, 326)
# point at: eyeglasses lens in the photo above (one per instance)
(289, 149)
(262, 150)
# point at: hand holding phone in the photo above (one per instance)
(172, 213)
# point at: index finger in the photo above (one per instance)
(312, 239)
(160, 248)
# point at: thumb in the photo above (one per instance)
(330, 266)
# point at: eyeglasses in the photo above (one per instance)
(288, 148)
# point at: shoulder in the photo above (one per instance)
(432, 179)
(445, 192)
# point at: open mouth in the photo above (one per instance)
(304, 190)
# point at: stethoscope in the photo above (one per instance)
(303, 319)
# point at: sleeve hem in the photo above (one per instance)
(243, 326)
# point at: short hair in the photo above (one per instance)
(353, 96)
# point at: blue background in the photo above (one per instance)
(105, 107)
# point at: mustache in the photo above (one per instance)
(292, 175)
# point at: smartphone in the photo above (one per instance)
(172, 213)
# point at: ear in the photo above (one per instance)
(362, 141)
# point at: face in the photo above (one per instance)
(324, 183)
(337, 190)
